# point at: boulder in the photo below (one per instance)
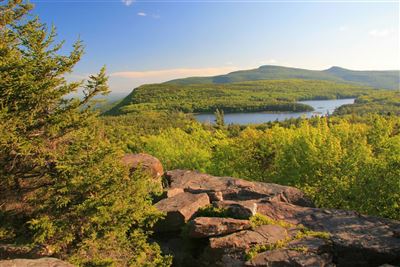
(228, 188)
(42, 262)
(358, 240)
(202, 227)
(179, 209)
(145, 162)
(174, 191)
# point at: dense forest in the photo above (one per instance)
(269, 95)
(64, 191)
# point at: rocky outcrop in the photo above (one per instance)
(228, 188)
(42, 262)
(358, 240)
(295, 233)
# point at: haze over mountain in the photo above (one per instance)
(379, 79)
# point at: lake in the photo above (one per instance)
(321, 108)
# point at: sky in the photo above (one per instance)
(151, 41)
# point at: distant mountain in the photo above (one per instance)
(377, 79)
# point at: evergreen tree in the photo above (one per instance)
(74, 197)
(219, 118)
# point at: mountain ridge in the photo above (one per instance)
(385, 79)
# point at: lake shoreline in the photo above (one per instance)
(320, 108)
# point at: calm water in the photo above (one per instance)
(321, 107)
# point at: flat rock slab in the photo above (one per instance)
(202, 227)
(179, 209)
(358, 240)
(42, 262)
(265, 234)
(289, 258)
(228, 188)
(312, 245)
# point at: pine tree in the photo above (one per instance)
(219, 118)
(77, 199)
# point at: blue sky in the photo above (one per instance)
(152, 41)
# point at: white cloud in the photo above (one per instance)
(173, 73)
(127, 2)
(381, 32)
(142, 14)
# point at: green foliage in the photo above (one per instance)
(125, 130)
(95, 195)
(304, 232)
(259, 219)
(255, 250)
(272, 95)
(194, 145)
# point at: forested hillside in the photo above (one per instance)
(270, 95)
(380, 102)
(377, 79)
